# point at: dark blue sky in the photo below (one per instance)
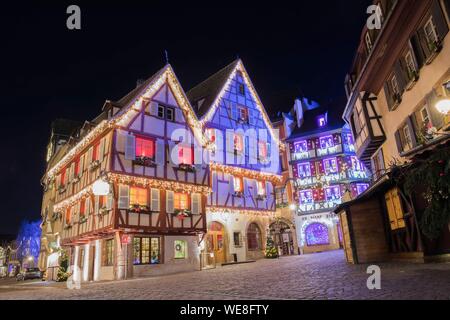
(49, 72)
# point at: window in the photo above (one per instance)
(395, 209)
(102, 201)
(145, 148)
(161, 112)
(306, 197)
(170, 114)
(322, 120)
(333, 193)
(330, 165)
(63, 177)
(238, 144)
(356, 164)
(185, 155)
(361, 187)
(316, 234)
(378, 164)
(254, 237)
(430, 32)
(262, 145)
(300, 147)
(146, 250)
(181, 201)
(425, 116)
(237, 239)
(406, 138)
(326, 142)
(281, 196)
(212, 135)
(261, 185)
(180, 248)
(77, 167)
(304, 170)
(138, 196)
(243, 114)
(108, 253)
(394, 84)
(237, 184)
(241, 88)
(95, 152)
(410, 65)
(368, 42)
(83, 207)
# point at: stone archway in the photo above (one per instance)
(283, 236)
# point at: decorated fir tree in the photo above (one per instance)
(271, 250)
(63, 270)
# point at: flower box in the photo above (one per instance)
(62, 189)
(103, 211)
(94, 165)
(238, 194)
(181, 214)
(186, 167)
(136, 208)
(144, 161)
(260, 197)
(83, 219)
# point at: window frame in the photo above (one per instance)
(172, 111)
(430, 23)
(145, 139)
(108, 258)
(177, 201)
(131, 195)
(150, 247)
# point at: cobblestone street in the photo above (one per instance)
(320, 276)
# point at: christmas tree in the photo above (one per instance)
(63, 273)
(271, 250)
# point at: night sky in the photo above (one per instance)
(48, 72)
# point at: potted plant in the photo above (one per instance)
(94, 165)
(186, 167)
(83, 219)
(182, 213)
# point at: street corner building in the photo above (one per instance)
(324, 170)
(398, 109)
(162, 181)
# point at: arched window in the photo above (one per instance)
(316, 234)
(254, 237)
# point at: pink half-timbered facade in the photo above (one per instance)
(127, 193)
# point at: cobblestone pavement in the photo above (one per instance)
(320, 276)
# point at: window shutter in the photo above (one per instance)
(219, 140)
(154, 108)
(179, 117)
(245, 186)
(412, 131)
(423, 43)
(89, 159)
(72, 170)
(169, 201)
(195, 205)
(389, 97)
(418, 51)
(255, 188)
(160, 151)
(87, 206)
(109, 202)
(155, 200)
(198, 155)
(130, 147)
(231, 184)
(399, 213)
(398, 141)
(173, 154)
(81, 166)
(439, 20)
(124, 196)
(102, 149)
(230, 147)
(401, 77)
(251, 117)
(96, 205)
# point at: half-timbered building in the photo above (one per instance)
(126, 194)
(244, 165)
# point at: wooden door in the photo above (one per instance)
(216, 242)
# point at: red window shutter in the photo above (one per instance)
(83, 207)
(95, 152)
(63, 177)
(77, 166)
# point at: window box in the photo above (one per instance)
(260, 197)
(76, 179)
(413, 77)
(186, 167)
(56, 216)
(104, 211)
(137, 208)
(144, 161)
(182, 213)
(94, 165)
(61, 189)
(68, 227)
(238, 194)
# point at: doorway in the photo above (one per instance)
(282, 236)
(216, 242)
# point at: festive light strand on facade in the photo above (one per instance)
(240, 67)
(160, 184)
(211, 210)
(246, 172)
(73, 199)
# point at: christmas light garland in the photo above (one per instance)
(246, 172)
(214, 210)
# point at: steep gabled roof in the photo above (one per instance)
(209, 89)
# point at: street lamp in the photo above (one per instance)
(100, 188)
(443, 106)
(293, 206)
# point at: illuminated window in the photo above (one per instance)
(316, 234)
(68, 215)
(63, 177)
(300, 147)
(238, 143)
(146, 251)
(138, 196)
(241, 89)
(77, 167)
(185, 155)
(356, 164)
(161, 112)
(333, 193)
(102, 201)
(181, 201)
(262, 145)
(430, 32)
(326, 142)
(237, 184)
(349, 138)
(145, 148)
(304, 170)
(322, 120)
(306, 197)
(261, 188)
(330, 165)
(180, 248)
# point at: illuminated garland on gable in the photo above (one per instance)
(259, 175)
(240, 67)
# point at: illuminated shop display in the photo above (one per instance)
(316, 234)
